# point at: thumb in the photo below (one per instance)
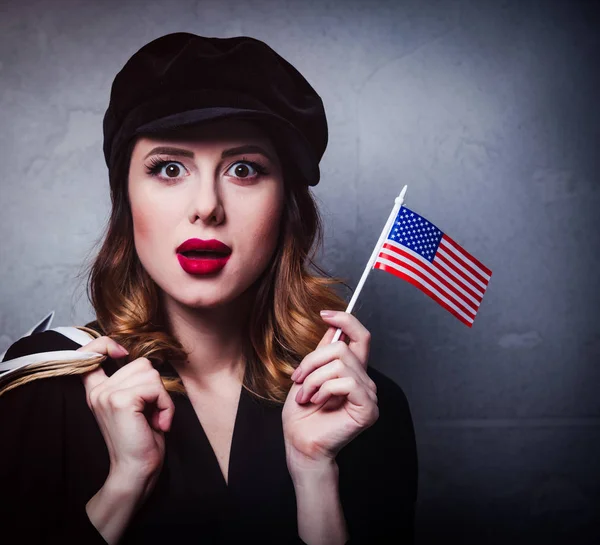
(105, 345)
(328, 336)
(102, 345)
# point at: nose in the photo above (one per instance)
(206, 203)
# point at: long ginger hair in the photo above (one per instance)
(284, 323)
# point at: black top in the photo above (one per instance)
(53, 459)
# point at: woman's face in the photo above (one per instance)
(218, 181)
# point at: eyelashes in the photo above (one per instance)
(156, 165)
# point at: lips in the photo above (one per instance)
(199, 245)
(197, 256)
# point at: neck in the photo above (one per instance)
(214, 339)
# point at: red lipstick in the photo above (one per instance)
(197, 256)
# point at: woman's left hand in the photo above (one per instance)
(332, 400)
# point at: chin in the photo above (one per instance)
(202, 301)
(206, 297)
(209, 292)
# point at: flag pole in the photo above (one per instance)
(384, 234)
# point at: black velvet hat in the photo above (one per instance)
(181, 79)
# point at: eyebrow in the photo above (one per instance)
(249, 148)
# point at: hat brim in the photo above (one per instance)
(288, 141)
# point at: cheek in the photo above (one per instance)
(151, 221)
(256, 230)
(267, 221)
(142, 224)
(267, 226)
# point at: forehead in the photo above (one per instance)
(219, 132)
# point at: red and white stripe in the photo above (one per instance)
(455, 279)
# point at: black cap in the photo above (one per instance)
(181, 79)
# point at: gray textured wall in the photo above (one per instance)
(488, 110)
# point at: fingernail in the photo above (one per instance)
(299, 395)
(124, 350)
(327, 313)
(295, 374)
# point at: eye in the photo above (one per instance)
(247, 169)
(172, 172)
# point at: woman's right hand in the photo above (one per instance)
(133, 410)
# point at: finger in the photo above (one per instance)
(92, 379)
(105, 345)
(333, 369)
(166, 409)
(152, 400)
(358, 334)
(328, 337)
(118, 377)
(137, 366)
(323, 355)
(146, 376)
(160, 412)
(118, 380)
(344, 386)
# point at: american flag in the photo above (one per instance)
(418, 252)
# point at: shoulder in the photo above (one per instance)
(391, 397)
(60, 338)
(37, 416)
(48, 433)
(46, 341)
(42, 395)
(391, 439)
(383, 381)
(379, 471)
(40, 391)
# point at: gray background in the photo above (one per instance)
(487, 110)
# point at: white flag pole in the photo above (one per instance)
(384, 234)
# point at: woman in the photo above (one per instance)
(218, 409)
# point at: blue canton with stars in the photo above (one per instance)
(416, 233)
